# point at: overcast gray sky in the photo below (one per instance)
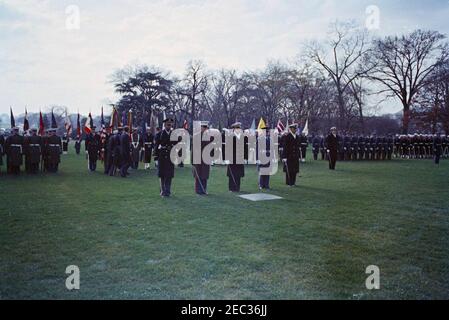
(46, 60)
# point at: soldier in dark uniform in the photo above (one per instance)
(162, 148)
(2, 148)
(33, 151)
(290, 156)
(389, 147)
(341, 149)
(437, 148)
(303, 143)
(14, 151)
(92, 145)
(54, 151)
(136, 147)
(354, 147)
(125, 152)
(148, 144)
(65, 143)
(78, 146)
(361, 147)
(107, 153)
(347, 148)
(201, 171)
(315, 147)
(445, 143)
(332, 147)
(264, 179)
(323, 148)
(236, 169)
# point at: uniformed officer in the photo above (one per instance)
(332, 147)
(78, 146)
(14, 151)
(437, 148)
(236, 169)
(54, 151)
(136, 147)
(65, 143)
(290, 156)
(303, 144)
(125, 152)
(201, 171)
(162, 149)
(92, 147)
(264, 179)
(148, 144)
(33, 151)
(315, 147)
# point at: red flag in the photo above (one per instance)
(89, 124)
(185, 125)
(41, 124)
(280, 126)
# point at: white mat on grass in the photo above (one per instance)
(260, 197)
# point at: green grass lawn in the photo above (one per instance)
(316, 243)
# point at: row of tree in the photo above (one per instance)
(341, 81)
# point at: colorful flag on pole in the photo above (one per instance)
(280, 127)
(68, 123)
(130, 120)
(89, 124)
(26, 124)
(252, 129)
(185, 125)
(305, 131)
(124, 118)
(13, 121)
(261, 125)
(54, 124)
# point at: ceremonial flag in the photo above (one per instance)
(261, 125)
(13, 121)
(124, 118)
(89, 124)
(130, 120)
(78, 126)
(152, 122)
(102, 118)
(280, 127)
(68, 124)
(306, 128)
(54, 125)
(26, 124)
(252, 129)
(41, 124)
(185, 125)
(115, 122)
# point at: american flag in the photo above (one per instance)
(280, 127)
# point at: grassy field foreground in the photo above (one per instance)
(315, 243)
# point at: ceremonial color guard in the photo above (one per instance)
(33, 151)
(14, 151)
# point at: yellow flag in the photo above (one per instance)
(261, 125)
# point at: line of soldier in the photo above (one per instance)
(121, 150)
(351, 148)
(37, 153)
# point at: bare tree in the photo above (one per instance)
(340, 60)
(403, 65)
